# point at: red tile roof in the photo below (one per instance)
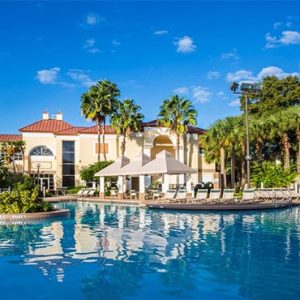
(47, 126)
(94, 130)
(71, 131)
(10, 137)
(191, 129)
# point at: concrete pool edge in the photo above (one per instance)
(34, 216)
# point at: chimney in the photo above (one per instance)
(59, 116)
(46, 115)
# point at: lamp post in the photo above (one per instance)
(246, 89)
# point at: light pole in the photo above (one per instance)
(246, 89)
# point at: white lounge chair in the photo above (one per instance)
(214, 195)
(181, 196)
(201, 195)
(169, 195)
(228, 195)
(249, 195)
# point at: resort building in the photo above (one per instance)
(56, 151)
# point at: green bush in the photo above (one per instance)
(88, 173)
(272, 175)
(75, 189)
(22, 201)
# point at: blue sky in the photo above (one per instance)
(51, 52)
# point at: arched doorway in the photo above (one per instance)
(160, 143)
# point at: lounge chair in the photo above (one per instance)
(90, 193)
(249, 195)
(80, 192)
(265, 194)
(228, 195)
(85, 192)
(181, 196)
(201, 196)
(214, 195)
(169, 195)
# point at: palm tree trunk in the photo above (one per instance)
(286, 150)
(223, 167)
(178, 146)
(103, 139)
(259, 149)
(298, 151)
(99, 139)
(233, 160)
(123, 145)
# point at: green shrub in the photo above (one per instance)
(272, 175)
(23, 201)
(74, 190)
(88, 173)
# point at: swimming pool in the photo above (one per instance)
(125, 252)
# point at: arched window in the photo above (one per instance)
(41, 151)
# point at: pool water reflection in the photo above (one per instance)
(125, 252)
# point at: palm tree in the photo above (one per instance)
(177, 113)
(9, 150)
(293, 115)
(20, 148)
(126, 119)
(97, 104)
(280, 126)
(3, 171)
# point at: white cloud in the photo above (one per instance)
(185, 45)
(161, 32)
(235, 103)
(211, 75)
(222, 95)
(244, 75)
(286, 38)
(274, 71)
(89, 46)
(181, 90)
(201, 94)
(240, 75)
(81, 77)
(233, 54)
(93, 19)
(116, 43)
(48, 76)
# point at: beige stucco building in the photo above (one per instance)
(57, 150)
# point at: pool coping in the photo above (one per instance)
(34, 216)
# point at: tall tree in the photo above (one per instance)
(20, 148)
(292, 118)
(126, 119)
(276, 94)
(279, 124)
(177, 113)
(97, 104)
(9, 150)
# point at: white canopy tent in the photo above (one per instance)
(164, 164)
(115, 169)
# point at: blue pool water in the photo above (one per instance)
(124, 252)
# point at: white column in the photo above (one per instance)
(166, 183)
(102, 187)
(102, 184)
(120, 184)
(188, 183)
(142, 184)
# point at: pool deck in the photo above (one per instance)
(238, 206)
